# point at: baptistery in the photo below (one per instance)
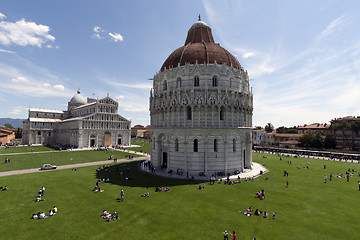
(201, 110)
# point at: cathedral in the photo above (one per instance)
(201, 109)
(87, 123)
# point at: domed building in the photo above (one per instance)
(88, 122)
(201, 110)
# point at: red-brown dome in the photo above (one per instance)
(200, 47)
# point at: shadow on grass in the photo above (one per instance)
(119, 172)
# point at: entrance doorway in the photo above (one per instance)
(164, 160)
(92, 141)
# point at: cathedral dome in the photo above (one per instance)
(200, 47)
(78, 98)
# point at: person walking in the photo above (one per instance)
(233, 235)
(359, 185)
(273, 217)
(287, 183)
(325, 178)
(122, 195)
(226, 235)
(347, 177)
(330, 176)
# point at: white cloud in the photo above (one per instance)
(248, 54)
(135, 86)
(116, 37)
(46, 85)
(333, 27)
(98, 29)
(6, 51)
(2, 16)
(100, 33)
(120, 97)
(20, 80)
(18, 110)
(59, 87)
(24, 33)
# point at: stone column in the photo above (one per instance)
(225, 158)
(185, 157)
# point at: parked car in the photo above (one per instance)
(47, 167)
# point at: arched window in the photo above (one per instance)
(178, 82)
(214, 81)
(196, 81)
(195, 145)
(222, 113)
(188, 113)
(176, 145)
(39, 133)
(215, 145)
(234, 145)
(165, 85)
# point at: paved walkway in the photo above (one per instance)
(77, 165)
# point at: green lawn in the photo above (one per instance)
(144, 143)
(307, 209)
(34, 160)
(25, 149)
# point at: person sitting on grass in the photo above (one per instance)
(145, 195)
(34, 216)
(265, 215)
(167, 189)
(51, 213)
(55, 209)
(42, 215)
(4, 188)
(38, 199)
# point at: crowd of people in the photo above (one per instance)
(249, 212)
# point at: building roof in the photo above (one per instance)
(50, 120)
(78, 98)
(200, 48)
(314, 126)
(288, 135)
(45, 110)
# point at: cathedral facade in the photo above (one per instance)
(201, 109)
(87, 123)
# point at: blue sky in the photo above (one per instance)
(303, 56)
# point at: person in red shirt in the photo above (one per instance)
(233, 235)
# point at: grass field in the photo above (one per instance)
(24, 149)
(307, 209)
(145, 146)
(35, 160)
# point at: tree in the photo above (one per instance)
(269, 128)
(8, 125)
(283, 129)
(329, 141)
(342, 125)
(18, 133)
(312, 139)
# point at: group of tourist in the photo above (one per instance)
(162, 189)
(42, 215)
(41, 194)
(260, 194)
(109, 216)
(248, 212)
(7, 160)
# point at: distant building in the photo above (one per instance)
(86, 123)
(324, 128)
(258, 137)
(6, 135)
(269, 137)
(346, 138)
(287, 140)
(139, 131)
